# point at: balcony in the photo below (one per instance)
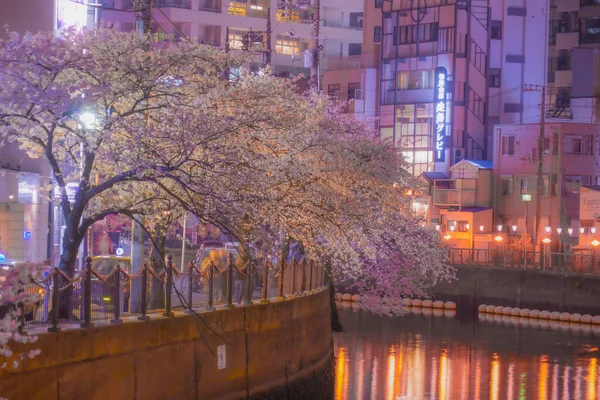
(455, 193)
(567, 41)
(352, 62)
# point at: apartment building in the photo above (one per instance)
(574, 30)
(244, 25)
(571, 156)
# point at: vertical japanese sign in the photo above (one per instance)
(439, 103)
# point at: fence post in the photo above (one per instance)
(248, 301)
(294, 264)
(525, 258)
(211, 279)
(229, 284)
(169, 287)
(310, 279)
(87, 294)
(190, 284)
(281, 278)
(265, 289)
(117, 298)
(144, 317)
(54, 327)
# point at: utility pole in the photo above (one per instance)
(269, 32)
(316, 22)
(540, 163)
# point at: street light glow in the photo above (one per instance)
(570, 230)
(498, 238)
(514, 228)
(88, 119)
(481, 228)
(558, 230)
(499, 228)
(548, 229)
(595, 243)
(593, 230)
(547, 240)
(582, 230)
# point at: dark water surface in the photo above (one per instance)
(419, 357)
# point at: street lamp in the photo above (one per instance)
(570, 230)
(437, 228)
(514, 229)
(499, 228)
(593, 229)
(582, 230)
(548, 229)
(546, 241)
(480, 228)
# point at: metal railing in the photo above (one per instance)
(571, 262)
(90, 296)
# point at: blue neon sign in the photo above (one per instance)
(27, 235)
(439, 103)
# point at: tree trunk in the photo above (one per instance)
(157, 294)
(71, 242)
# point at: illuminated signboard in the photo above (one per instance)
(439, 102)
(71, 188)
(27, 235)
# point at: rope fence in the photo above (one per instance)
(90, 296)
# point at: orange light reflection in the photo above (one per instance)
(340, 374)
(495, 378)
(444, 374)
(543, 382)
(390, 374)
(592, 379)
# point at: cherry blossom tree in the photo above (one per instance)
(142, 127)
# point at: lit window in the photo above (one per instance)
(287, 45)
(236, 8)
(287, 14)
(235, 38)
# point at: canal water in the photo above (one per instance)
(464, 357)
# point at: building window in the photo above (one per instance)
(496, 30)
(356, 20)
(287, 45)
(377, 34)
(494, 77)
(590, 30)
(523, 185)
(235, 38)
(553, 184)
(237, 8)
(572, 184)
(354, 91)
(333, 91)
(564, 60)
(411, 33)
(459, 226)
(378, 3)
(354, 49)
(545, 185)
(415, 80)
(508, 145)
(462, 226)
(506, 186)
(577, 145)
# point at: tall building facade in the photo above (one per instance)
(245, 25)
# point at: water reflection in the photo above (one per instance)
(418, 357)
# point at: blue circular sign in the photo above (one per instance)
(2, 257)
(27, 235)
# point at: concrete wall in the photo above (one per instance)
(526, 289)
(279, 350)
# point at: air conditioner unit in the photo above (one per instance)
(458, 154)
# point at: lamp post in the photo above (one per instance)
(594, 243)
(526, 198)
(546, 241)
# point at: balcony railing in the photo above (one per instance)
(455, 192)
(353, 62)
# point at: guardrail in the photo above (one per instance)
(90, 297)
(572, 262)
